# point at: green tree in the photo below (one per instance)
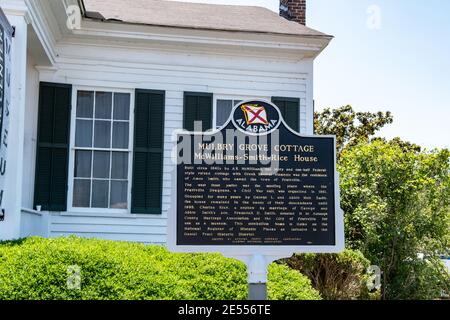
(349, 126)
(404, 145)
(396, 202)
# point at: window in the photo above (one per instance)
(223, 110)
(223, 107)
(101, 150)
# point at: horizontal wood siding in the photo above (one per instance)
(174, 73)
(140, 229)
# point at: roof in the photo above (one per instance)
(195, 16)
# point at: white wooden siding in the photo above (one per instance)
(175, 73)
(141, 229)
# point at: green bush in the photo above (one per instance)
(336, 276)
(286, 284)
(37, 268)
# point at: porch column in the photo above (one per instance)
(17, 14)
(310, 101)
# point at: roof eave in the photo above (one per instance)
(98, 17)
(322, 40)
(312, 36)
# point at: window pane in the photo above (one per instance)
(224, 108)
(101, 164)
(121, 135)
(102, 123)
(81, 193)
(103, 105)
(83, 133)
(119, 165)
(121, 106)
(102, 138)
(100, 191)
(235, 102)
(85, 104)
(119, 190)
(83, 164)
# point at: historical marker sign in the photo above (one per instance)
(255, 187)
(5, 98)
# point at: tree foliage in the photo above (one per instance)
(396, 202)
(349, 126)
(405, 146)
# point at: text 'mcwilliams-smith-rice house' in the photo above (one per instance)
(99, 86)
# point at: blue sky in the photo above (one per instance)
(387, 55)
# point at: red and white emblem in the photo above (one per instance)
(255, 114)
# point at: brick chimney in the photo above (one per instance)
(294, 10)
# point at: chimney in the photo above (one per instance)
(294, 10)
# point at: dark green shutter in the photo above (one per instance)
(52, 160)
(148, 152)
(198, 107)
(290, 110)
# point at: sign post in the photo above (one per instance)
(5, 99)
(257, 191)
(257, 278)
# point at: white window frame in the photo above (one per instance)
(233, 98)
(70, 207)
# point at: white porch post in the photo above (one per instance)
(16, 12)
(310, 100)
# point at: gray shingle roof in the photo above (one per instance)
(197, 16)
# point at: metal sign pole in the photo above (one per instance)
(257, 277)
(257, 291)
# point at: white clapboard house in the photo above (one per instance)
(99, 86)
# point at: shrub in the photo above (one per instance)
(286, 284)
(37, 268)
(335, 276)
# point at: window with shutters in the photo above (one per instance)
(101, 150)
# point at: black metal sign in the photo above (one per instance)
(255, 182)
